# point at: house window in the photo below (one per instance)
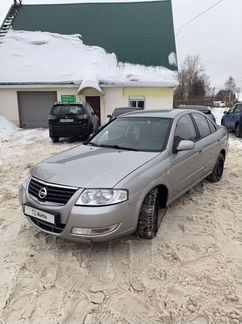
(137, 102)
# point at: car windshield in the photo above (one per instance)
(148, 134)
(68, 109)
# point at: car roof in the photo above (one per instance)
(69, 104)
(195, 107)
(126, 108)
(169, 113)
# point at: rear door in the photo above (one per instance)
(208, 143)
(228, 118)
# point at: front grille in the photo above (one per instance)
(55, 194)
(48, 227)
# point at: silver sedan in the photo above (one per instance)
(125, 176)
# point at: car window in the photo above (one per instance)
(237, 109)
(185, 130)
(68, 109)
(231, 110)
(202, 125)
(211, 126)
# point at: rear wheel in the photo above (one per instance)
(217, 172)
(148, 217)
(238, 131)
(55, 139)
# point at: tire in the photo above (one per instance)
(218, 169)
(148, 217)
(55, 139)
(238, 131)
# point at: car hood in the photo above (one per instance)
(90, 167)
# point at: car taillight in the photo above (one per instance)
(84, 116)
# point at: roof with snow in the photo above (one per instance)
(137, 32)
(98, 44)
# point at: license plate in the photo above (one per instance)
(67, 120)
(40, 214)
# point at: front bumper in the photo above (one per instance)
(119, 220)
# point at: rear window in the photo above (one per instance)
(202, 125)
(68, 109)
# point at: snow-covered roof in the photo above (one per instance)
(42, 57)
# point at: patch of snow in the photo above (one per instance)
(47, 57)
(235, 142)
(172, 59)
(218, 113)
(6, 128)
(89, 84)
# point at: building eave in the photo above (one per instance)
(76, 84)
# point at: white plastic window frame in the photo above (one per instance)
(136, 99)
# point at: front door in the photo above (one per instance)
(94, 101)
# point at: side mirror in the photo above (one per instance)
(109, 116)
(185, 145)
(225, 112)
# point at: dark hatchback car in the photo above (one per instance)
(72, 120)
(232, 119)
(203, 109)
(120, 111)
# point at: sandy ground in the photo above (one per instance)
(190, 273)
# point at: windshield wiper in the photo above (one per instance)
(91, 143)
(117, 147)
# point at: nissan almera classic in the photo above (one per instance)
(124, 177)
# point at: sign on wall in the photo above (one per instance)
(68, 99)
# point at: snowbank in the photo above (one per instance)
(6, 128)
(48, 57)
(218, 114)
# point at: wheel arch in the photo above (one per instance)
(162, 195)
(223, 152)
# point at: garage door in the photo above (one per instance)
(34, 108)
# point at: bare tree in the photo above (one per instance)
(193, 81)
(230, 86)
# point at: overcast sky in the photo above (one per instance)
(215, 36)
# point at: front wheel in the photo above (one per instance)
(148, 217)
(55, 139)
(218, 169)
(238, 131)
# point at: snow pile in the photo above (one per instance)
(48, 57)
(218, 114)
(6, 128)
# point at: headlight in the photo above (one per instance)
(102, 197)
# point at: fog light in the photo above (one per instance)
(93, 231)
